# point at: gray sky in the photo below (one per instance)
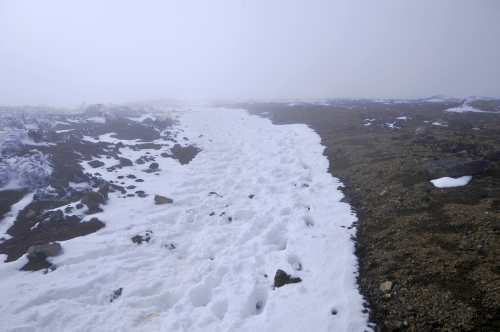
(65, 52)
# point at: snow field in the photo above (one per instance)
(213, 253)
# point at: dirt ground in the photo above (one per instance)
(438, 247)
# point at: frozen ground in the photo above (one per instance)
(257, 198)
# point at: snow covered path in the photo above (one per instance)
(257, 198)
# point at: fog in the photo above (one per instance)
(63, 53)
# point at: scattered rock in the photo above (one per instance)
(346, 199)
(96, 163)
(115, 294)
(443, 122)
(131, 176)
(56, 215)
(31, 214)
(386, 286)
(281, 279)
(420, 131)
(390, 325)
(46, 250)
(93, 198)
(154, 166)
(104, 189)
(159, 200)
(139, 239)
(126, 162)
(87, 156)
(184, 154)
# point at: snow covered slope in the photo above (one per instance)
(257, 198)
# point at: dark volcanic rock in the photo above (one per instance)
(154, 166)
(96, 163)
(93, 198)
(452, 168)
(126, 162)
(45, 250)
(162, 200)
(281, 279)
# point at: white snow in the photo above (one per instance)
(11, 216)
(447, 182)
(206, 264)
(392, 125)
(465, 107)
(402, 118)
(97, 119)
(439, 124)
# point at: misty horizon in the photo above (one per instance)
(62, 54)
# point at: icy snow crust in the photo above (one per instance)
(205, 267)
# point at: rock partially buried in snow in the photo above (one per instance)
(104, 189)
(386, 286)
(126, 162)
(52, 249)
(159, 200)
(281, 279)
(154, 166)
(95, 163)
(116, 294)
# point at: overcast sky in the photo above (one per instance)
(63, 53)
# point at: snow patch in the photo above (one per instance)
(447, 182)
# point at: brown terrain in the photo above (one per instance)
(428, 257)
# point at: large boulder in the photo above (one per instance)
(93, 198)
(162, 200)
(436, 169)
(51, 249)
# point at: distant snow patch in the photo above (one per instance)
(465, 107)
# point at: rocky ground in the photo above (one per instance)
(63, 199)
(428, 257)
